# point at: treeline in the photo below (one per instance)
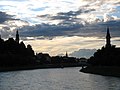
(13, 53)
(47, 59)
(106, 57)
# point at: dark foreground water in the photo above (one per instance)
(56, 79)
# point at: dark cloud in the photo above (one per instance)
(90, 30)
(4, 17)
(48, 30)
(114, 27)
(77, 29)
(7, 22)
(67, 16)
(5, 31)
(69, 26)
(44, 16)
(75, 13)
(118, 3)
(69, 23)
(83, 53)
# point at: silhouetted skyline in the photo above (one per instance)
(15, 53)
(108, 55)
(50, 26)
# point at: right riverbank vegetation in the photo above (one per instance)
(106, 61)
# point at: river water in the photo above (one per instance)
(56, 79)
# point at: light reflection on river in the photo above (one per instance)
(56, 79)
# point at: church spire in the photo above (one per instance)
(108, 42)
(66, 54)
(17, 36)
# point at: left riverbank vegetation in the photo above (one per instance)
(16, 55)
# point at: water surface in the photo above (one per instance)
(56, 79)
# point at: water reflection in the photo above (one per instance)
(56, 79)
(99, 82)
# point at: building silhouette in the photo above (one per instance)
(108, 37)
(108, 55)
(17, 37)
(15, 53)
(66, 55)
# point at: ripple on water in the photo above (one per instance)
(56, 79)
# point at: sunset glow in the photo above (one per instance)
(57, 26)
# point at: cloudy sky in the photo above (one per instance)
(57, 26)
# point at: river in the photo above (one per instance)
(56, 79)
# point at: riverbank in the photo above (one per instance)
(31, 67)
(103, 70)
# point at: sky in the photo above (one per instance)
(57, 26)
